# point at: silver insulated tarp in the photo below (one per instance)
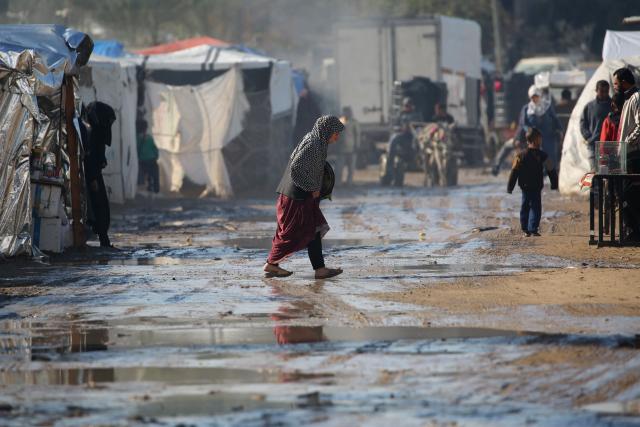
(34, 60)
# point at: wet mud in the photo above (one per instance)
(178, 327)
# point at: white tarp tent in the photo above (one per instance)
(192, 124)
(113, 81)
(620, 45)
(575, 154)
(202, 58)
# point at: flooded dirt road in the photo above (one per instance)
(444, 316)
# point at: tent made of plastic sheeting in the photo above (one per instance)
(192, 124)
(575, 154)
(109, 48)
(114, 82)
(36, 63)
(206, 58)
(620, 45)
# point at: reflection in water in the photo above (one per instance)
(23, 340)
(295, 334)
(286, 334)
(165, 375)
(212, 404)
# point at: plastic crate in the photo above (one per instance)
(611, 158)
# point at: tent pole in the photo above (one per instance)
(72, 147)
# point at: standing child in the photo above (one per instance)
(528, 170)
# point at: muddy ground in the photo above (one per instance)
(444, 316)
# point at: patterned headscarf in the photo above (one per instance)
(325, 127)
(309, 157)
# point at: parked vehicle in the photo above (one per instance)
(375, 56)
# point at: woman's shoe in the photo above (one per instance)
(272, 270)
(326, 273)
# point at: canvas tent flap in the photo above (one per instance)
(575, 154)
(620, 44)
(192, 124)
(114, 82)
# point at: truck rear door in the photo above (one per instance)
(364, 81)
(416, 50)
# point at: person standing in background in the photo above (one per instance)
(148, 158)
(540, 114)
(528, 172)
(99, 118)
(441, 115)
(611, 125)
(348, 149)
(593, 117)
(306, 114)
(625, 83)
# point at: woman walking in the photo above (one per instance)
(300, 221)
(540, 114)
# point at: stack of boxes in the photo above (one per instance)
(50, 228)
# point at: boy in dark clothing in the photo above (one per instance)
(528, 170)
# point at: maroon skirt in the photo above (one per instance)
(298, 223)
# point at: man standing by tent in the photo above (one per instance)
(593, 116)
(624, 82)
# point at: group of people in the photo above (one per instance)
(617, 119)
(606, 118)
(614, 118)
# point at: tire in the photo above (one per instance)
(384, 179)
(452, 172)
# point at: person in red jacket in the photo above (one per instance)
(611, 125)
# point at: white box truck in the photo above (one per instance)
(372, 55)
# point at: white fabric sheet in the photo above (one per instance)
(114, 82)
(283, 95)
(192, 124)
(575, 154)
(620, 45)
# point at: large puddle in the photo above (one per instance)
(180, 327)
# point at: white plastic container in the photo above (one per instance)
(611, 158)
(48, 234)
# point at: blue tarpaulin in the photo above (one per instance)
(112, 48)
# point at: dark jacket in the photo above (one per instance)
(528, 170)
(288, 188)
(592, 118)
(100, 117)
